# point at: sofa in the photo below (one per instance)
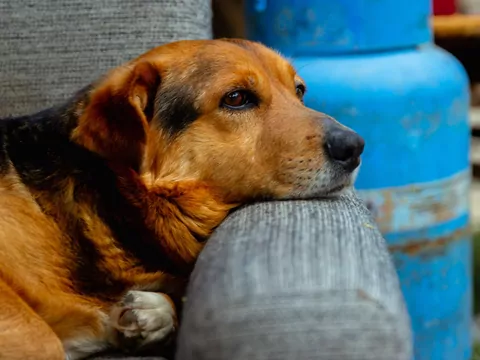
(277, 280)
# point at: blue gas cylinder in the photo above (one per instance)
(410, 101)
(320, 27)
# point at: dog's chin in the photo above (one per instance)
(333, 192)
(338, 188)
(332, 184)
(353, 176)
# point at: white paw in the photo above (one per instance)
(143, 318)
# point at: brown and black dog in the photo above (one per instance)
(105, 201)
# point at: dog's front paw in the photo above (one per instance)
(143, 318)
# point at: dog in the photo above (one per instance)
(107, 200)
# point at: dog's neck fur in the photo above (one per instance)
(155, 230)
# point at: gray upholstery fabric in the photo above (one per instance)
(49, 49)
(119, 357)
(296, 280)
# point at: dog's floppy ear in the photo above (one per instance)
(114, 123)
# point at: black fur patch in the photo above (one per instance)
(175, 108)
(3, 151)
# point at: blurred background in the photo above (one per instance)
(421, 170)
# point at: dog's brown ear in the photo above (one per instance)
(114, 123)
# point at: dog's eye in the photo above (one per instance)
(238, 99)
(300, 90)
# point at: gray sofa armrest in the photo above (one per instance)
(51, 49)
(296, 280)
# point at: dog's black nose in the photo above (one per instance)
(343, 145)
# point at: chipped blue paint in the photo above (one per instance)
(419, 205)
(371, 65)
(438, 289)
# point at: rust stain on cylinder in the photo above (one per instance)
(423, 245)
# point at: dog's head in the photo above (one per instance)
(228, 113)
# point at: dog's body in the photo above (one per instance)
(105, 202)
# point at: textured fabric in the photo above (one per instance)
(296, 280)
(49, 49)
(120, 357)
